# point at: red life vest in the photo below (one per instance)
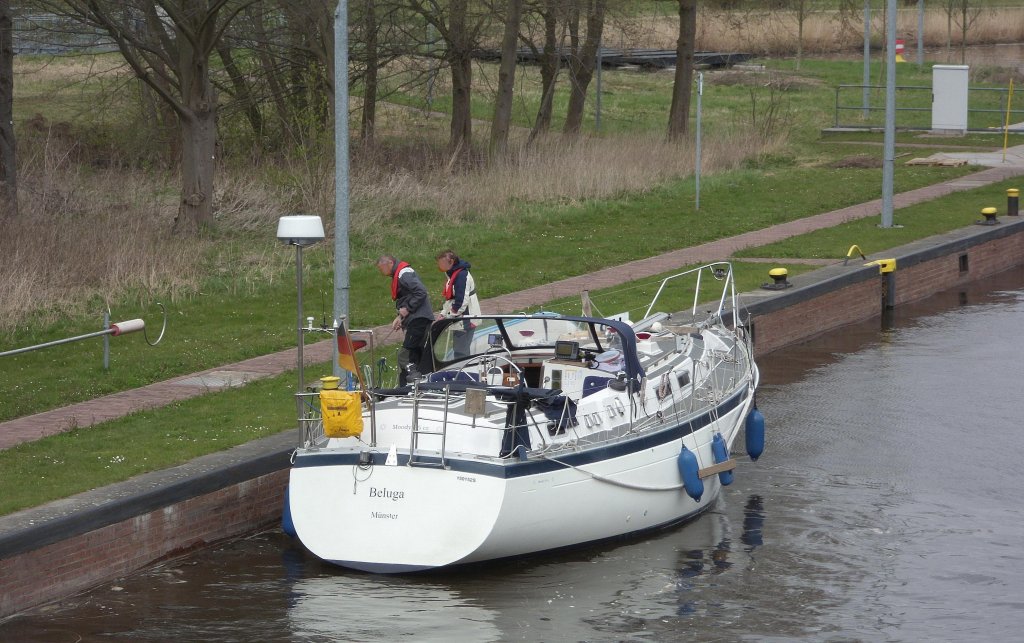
(394, 279)
(449, 286)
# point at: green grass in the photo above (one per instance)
(62, 465)
(639, 101)
(911, 223)
(972, 141)
(82, 459)
(85, 458)
(227, 322)
(635, 296)
(234, 317)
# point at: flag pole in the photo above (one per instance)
(347, 361)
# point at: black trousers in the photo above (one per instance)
(414, 350)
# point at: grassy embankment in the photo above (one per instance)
(242, 301)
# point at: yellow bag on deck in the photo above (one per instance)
(342, 413)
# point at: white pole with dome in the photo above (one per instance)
(301, 231)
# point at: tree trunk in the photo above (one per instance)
(370, 77)
(801, 16)
(241, 88)
(581, 68)
(679, 112)
(963, 32)
(272, 75)
(461, 62)
(8, 157)
(549, 64)
(502, 122)
(462, 121)
(198, 140)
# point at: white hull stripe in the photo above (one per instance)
(513, 468)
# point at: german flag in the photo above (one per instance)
(347, 348)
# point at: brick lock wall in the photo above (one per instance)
(914, 279)
(81, 562)
(984, 260)
(805, 319)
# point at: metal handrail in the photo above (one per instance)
(109, 330)
(728, 289)
(311, 425)
(867, 109)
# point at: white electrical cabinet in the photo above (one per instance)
(949, 98)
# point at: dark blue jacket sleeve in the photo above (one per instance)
(459, 290)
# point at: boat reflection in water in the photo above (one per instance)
(753, 523)
(365, 608)
(612, 588)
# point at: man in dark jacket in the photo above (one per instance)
(414, 317)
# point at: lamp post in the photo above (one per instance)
(301, 231)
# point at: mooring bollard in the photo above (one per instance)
(887, 268)
(779, 280)
(1012, 201)
(990, 216)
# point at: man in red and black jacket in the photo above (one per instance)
(414, 317)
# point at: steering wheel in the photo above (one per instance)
(481, 360)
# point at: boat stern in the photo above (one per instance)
(389, 519)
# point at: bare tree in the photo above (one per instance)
(802, 9)
(242, 89)
(583, 61)
(169, 44)
(459, 29)
(288, 49)
(963, 15)
(380, 34)
(506, 79)
(549, 54)
(372, 60)
(679, 112)
(288, 52)
(8, 157)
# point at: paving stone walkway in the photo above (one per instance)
(34, 427)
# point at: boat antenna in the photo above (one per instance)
(323, 308)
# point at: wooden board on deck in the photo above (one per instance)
(707, 472)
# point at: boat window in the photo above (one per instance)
(460, 339)
(467, 337)
(457, 339)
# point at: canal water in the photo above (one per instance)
(886, 507)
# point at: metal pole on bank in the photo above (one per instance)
(107, 340)
(341, 187)
(920, 32)
(865, 91)
(696, 168)
(118, 329)
(889, 155)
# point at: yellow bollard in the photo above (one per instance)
(779, 281)
(990, 216)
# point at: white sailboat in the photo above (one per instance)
(543, 431)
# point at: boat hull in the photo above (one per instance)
(399, 518)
